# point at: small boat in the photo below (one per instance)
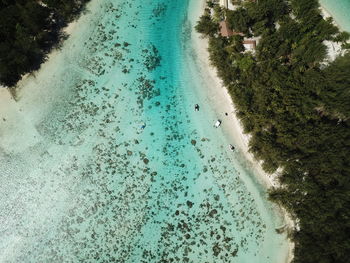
(217, 124)
(232, 148)
(196, 107)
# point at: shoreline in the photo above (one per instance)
(334, 48)
(233, 129)
(325, 12)
(10, 94)
(15, 123)
(69, 30)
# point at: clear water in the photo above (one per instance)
(83, 182)
(340, 10)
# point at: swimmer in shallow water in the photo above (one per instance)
(143, 126)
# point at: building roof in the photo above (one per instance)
(249, 44)
(225, 31)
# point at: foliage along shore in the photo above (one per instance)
(296, 105)
(29, 29)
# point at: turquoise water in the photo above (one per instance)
(85, 183)
(339, 9)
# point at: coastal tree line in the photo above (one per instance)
(296, 106)
(29, 29)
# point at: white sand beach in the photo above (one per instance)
(233, 129)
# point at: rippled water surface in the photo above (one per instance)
(114, 165)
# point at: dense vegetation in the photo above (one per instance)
(28, 30)
(296, 105)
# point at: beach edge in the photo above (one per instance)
(235, 128)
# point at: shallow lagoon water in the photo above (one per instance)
(85, 183)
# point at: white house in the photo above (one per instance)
(249, 44)
(227, 4)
